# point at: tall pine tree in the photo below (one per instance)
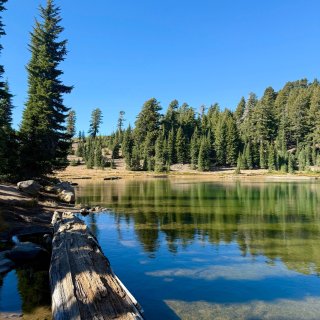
(43, 132)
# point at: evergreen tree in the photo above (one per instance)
(135, 159)
(98, 156)
(302, 159)
(195, 148)
(240, 110)
(180, 146)
(262, 156)
(290, 163)
(248, 156)
(127, 146)
(149, 152)
(220, 141)
(160, 155)
(232, 141)
(271, 158)
(204, 155)
(121, 121)
(171, 148)
(45, 142)
(8, 141)
(90, 154)
(95, 122)
(171, 117)
(71, 123)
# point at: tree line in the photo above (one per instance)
(279, 131)
(43, 140)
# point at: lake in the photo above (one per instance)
(206, 250)
(200, 250)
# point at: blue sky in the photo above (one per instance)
(123, 52)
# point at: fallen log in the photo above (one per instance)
(83, 284)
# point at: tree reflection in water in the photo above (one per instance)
(277, 220)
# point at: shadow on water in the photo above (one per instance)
(26, 290)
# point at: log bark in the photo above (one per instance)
(83, 284)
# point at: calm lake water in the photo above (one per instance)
(202, 250)
(199, 250)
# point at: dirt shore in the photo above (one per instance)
(81, 173)
(23, 213)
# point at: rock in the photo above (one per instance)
(49, 188)
(65, 192)
(63, 186)
(29, 186)
(84, 211)
(67, 196)
(25, 251)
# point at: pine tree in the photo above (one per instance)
(194, 149)
(248, 156)
(302, 159)
(8, 141)
(127, 146)
(71, 123)
(159, 155)
(95, 122)
(171, 148)
(171, 117)
(90, 157)
(98, 156)
(290, 163)
(262, 156)
(232, 142)
(264, 117)
(121, 120)
(220, 141)
(240, 110)
(180, 146)
(271, 158)
(135, 159)
(45, 142)
(146, 132)
(204, 162)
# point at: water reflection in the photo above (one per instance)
(277, 220)
(26, 290)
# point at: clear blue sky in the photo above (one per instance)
(123, 52)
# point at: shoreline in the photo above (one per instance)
(82, 174)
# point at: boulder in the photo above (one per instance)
(26, 251)
(67, 196)
(49, 188)
(29, 186)
(63, 186)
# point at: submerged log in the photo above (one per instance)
(83, 284)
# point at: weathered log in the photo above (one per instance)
(83, 284)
